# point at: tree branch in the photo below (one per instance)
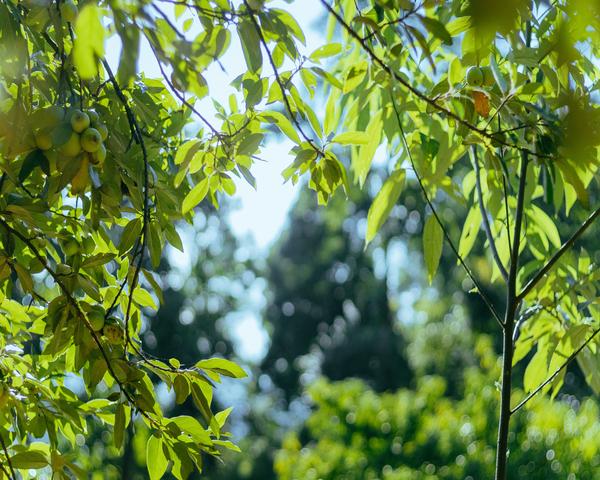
(482, 132)
(569, 359)
(8, 461)
(558, 254)
(136, 132)
(471, 275)
(484, 216)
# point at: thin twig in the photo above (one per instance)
(486, 224)
(471, 275)
(558, 254)
(136, 132)
(556, 372)
(10, 466)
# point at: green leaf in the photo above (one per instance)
(119, 426)
(351, 138)
(470, 230)
(324, 51)
(187, 151)
(31, 459)
(362, 162)
(195, 196)
(282, 123)
(155, 458)
(437, 29)
(355, 76)
(89, 41)
(384, 202)
(182, 389)
(130, 233)
(250, 45)
(433, 242)
(224, 367)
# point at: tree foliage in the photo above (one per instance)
(501, 92)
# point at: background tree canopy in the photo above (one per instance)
(470, 127)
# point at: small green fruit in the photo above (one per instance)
(94, 118)
(72, 147)
(102, 129)
(43, 140)
(488, 77)
(71, 247)
(91, 140)
(96, 318)
(79, 121)
(62, 269)
(99, 155)
(68, 11)
(114, 333)
(474, 76)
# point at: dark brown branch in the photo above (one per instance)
(558, 254)
(569, 359)
(486, 224)
(512, 307)
(137, 134)
(8, 461)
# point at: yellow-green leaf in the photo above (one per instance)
(383, 203)
(89, 41)
(433, 242)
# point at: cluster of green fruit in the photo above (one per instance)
(480, 77)
(41, 12)
(70, 133)
(109, 327)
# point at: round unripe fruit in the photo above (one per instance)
(474, 76)
(102, 129)
(71, 247)
(62, 269)
(91, 140)
(94, 117)
(43, 140)
(79, 121)
(68, 11)
(488, 77)
(99, 155)
(96, 318)
(72, 147)
(114, 333)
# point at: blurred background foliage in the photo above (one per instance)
(369, 372)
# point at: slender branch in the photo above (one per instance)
(512, 308)
(558, 254)
(178, 94)
(486, 224)
(401, 19)
(482, 132)
(8, 460)
(569, 359)
(471, 275)
(136, 132)
(280, 82)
